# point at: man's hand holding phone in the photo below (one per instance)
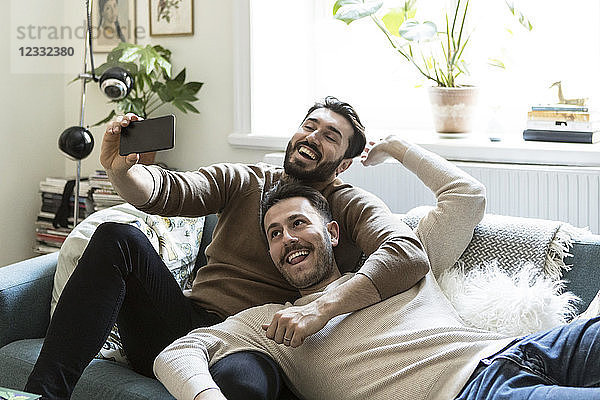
(134, 183)
(135, 136)
(110, 158)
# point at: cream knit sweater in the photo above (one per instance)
(411, 346)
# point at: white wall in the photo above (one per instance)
(36, 107)
(201, 139)
(31, 115)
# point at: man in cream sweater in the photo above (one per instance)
(410, 346)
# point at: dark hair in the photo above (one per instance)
(358, 140)
(288, 188)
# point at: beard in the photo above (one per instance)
(320, 173)
(323, 268)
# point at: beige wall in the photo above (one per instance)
(37, 107)
(31, 111)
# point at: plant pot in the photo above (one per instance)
(453, 109)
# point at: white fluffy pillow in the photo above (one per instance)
(488, 298)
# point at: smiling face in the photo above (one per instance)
(316, 151)
(301, 243)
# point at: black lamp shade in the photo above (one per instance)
(76, 142)
(116, 83)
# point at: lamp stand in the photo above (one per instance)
(85, 78)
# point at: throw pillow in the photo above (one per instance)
(176, 240)
(491, 298)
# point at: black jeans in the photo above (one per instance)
(120, 278)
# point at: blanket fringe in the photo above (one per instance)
(559, 250)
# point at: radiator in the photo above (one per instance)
(568, 194)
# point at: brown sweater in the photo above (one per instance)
(240, 274)
(412, 346)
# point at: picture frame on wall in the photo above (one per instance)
(171, 17)
(113, 21)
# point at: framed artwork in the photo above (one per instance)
(113, 21)
(171, 17)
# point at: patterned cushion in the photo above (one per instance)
(176, 240)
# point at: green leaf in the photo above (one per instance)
(186, 97)
(148, 61)
(339, 3)
(352, 10)
(523, 20)
(194, 87)
(396, 17)
(131, 54)
(180, 106)
(165, 65)
(105, 120)
(191, 108)
(494, 62)
(164, 53)
(180, 76)
(115, 55)
(164, 94)
(173, 85)
(463, 67)
(156, 85)
(415, 31)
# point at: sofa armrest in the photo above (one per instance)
(584, 277)
(25, 292)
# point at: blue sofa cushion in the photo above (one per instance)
(25, 290)
(101, 380)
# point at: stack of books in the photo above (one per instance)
(103, 193)
(561, 123)
(49, 234)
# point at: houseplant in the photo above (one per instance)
(436, 54)
(153, 86)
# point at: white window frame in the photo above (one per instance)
(471, 149)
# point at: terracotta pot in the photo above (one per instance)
(453, 109)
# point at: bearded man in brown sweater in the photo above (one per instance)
(120, 278)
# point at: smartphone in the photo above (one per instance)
(148, 135)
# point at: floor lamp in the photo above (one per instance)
(77, 142)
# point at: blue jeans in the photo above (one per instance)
(562, 363)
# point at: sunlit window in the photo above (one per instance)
(299, 53)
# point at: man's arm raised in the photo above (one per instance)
(398, 254)
(131, 180)
(446, 229)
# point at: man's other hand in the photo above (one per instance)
(377, 152)
(293, 325)
(109, 153)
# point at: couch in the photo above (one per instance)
(25, 293)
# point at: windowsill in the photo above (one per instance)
(474, 148)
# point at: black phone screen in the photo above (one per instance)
(148, 135)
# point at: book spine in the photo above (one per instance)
(558, 136)
(560, 125)
(556, 108)
(558, 116)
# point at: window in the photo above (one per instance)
(299, 53)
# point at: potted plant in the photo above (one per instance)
(153, 87)
(436, 54)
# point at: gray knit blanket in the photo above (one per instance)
(512, 241)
